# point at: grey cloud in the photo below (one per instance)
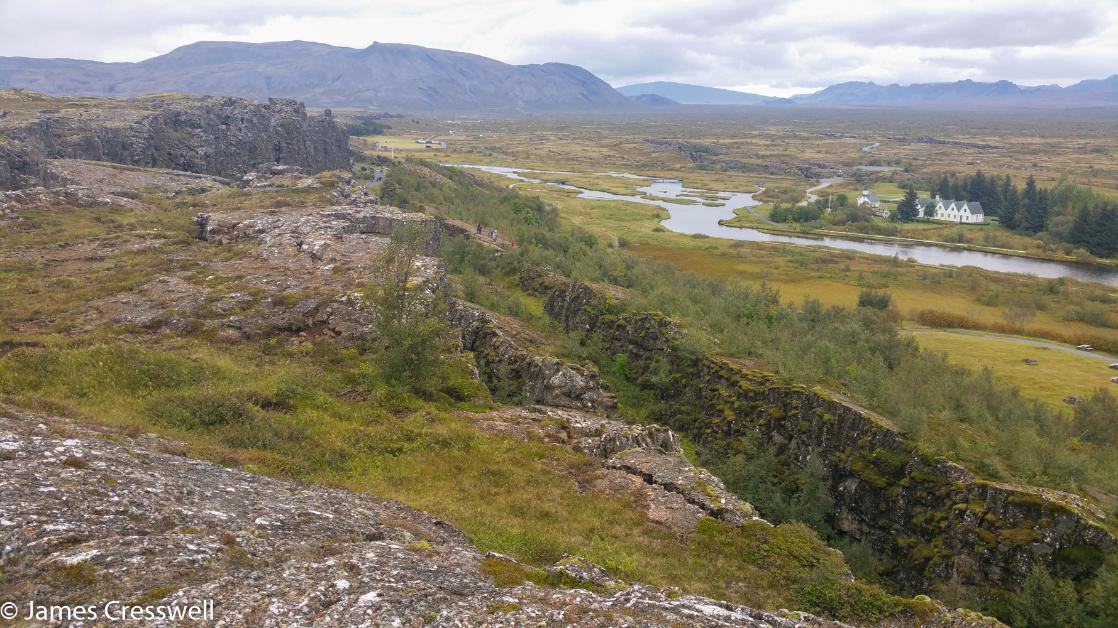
(979, 29)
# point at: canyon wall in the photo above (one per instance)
(933, 517)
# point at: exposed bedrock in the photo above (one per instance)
(89, 515)
(218, 136)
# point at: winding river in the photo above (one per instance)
(697, 218)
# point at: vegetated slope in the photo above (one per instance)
(219, 136)
(687, 94)
(252, 348)
(382, 76)
(979, 539)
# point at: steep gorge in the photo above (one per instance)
(934, 518)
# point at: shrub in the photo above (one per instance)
(875, 299)
(198, 410)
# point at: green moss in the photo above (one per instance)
(988, 537)
(1026, 499)
(502, 607)
(77, 575)
(1019, 536)
(503, 573)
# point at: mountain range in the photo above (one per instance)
(687, 94)
(403, 77)
(382, 76)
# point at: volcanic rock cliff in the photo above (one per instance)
(226, 137)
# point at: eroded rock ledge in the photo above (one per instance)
(507, 367)
(934, 516)
(88, 515)
(644, 462)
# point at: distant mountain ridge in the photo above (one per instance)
(959, 95)
(382, 76)
(687, 94)
(402, 77)
(965, 94)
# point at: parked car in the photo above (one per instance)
(1114, 366)
(1085, 348)
(1114, 380)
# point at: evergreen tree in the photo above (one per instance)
(1029, 214)
(943, 188)
(1080, 233)
(906, 210)
(1006, 188)
(1012, 209)
(976, 188)
(1103, 239)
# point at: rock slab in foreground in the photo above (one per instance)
(88, 516)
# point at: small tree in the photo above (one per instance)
(410, 335)
(1043, 602)
(907, 210)
(1095, 418)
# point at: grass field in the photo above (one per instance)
(1056, 375)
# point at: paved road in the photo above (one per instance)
(1023, 341)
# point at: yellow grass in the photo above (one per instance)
(1056, 375)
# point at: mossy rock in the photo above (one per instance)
(1018, 536)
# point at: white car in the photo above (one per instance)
(1085, 348)
(1114, 366)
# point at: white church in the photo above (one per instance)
(968, 212)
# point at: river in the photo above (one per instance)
(697, 218)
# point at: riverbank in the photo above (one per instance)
(750, 220)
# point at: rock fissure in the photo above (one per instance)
(935, 517)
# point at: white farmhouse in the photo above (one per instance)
(869, 199)
(966, 212)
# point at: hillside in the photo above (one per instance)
(382, 76)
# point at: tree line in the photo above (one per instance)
(1067, 212)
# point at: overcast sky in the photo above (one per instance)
(768, 46)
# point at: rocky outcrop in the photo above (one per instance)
(219, 136)
(935, 517)
(320, 233)
(88, 516)
(642, 462)
(514, 372)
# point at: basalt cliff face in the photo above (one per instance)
(937, 519)
(226, 137)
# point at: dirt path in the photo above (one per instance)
(811, 197)
(1019, 340)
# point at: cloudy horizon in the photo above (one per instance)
(773, 48)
